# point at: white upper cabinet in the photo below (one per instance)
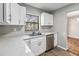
(7, 13)
(46, 19)
(22, 15)
(1, 12)
(13, 13)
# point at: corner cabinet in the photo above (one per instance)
(46, 19)
(13, 13)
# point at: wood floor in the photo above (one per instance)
(73, 45)
(57, 52)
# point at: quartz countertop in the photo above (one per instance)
(47, 33)
(26, 37)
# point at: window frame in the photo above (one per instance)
(32, 22)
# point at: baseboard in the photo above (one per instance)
(73, 37)
(62, 47)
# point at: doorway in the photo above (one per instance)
(73, 32)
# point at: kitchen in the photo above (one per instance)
(26, 30)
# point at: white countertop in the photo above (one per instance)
(47, 33)
(26, 37)
(31, 37)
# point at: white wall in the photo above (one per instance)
(60, 23)
(73, 28)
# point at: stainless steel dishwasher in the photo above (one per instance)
(49, 42)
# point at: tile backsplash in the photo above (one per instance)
(46, 29)
(4, 30)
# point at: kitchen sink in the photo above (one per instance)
(35, 34)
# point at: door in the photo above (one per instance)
(51, 19)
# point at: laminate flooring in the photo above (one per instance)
(73, 45)
(58, 52)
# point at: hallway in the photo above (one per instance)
(73, 45)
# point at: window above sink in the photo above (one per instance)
(32, 22)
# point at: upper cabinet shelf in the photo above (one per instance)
(12, 14)
(46, 19)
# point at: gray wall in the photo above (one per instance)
(60, 23)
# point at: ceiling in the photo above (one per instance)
(73, 13)
(48, 6)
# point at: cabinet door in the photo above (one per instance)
(46, 19)
(22, 15)
(50, 19)
(7, 13)
(38, 45)
(1, 12)
(15, 14)
(55, 39)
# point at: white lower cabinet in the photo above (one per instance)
(38, 45)
(28, 43)
(55, 39)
